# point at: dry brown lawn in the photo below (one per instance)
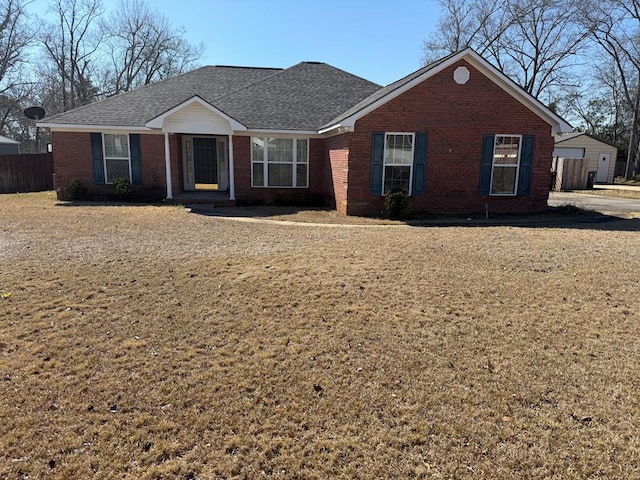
(147, 342)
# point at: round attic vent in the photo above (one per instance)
(461, 75)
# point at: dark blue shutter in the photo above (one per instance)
(136, 161)
(377, 163)
(526, 165)
(487, 164)
(96, 157)
(419, 164)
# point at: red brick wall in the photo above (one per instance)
(336, 159)
(245, 193)
(72, 160)
(456, 118)
(152, 151)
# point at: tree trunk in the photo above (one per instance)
(633, 158)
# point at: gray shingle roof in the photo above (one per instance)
(302, 97)
(137, 107)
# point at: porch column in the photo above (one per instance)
(167, 165)
(232, 183)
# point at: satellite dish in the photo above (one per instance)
(34, 113)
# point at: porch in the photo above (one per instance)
(212, 198)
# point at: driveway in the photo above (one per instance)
(607, 205)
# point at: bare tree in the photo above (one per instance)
(143, 47)
(616, 29)
(15, 84)
(70, 44)
(534, 42)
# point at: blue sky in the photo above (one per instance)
(378, 40)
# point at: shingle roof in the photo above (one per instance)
(302, 97)
(137, 107)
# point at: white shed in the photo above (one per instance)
(599, 157)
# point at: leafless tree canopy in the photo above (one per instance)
(616, 31)
(143, 47)
(80, 53)
(534, 42)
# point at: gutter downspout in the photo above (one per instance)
(167, 165)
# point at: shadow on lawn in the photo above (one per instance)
(569, 217)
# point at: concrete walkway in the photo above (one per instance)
(599, 186)
(619, 207)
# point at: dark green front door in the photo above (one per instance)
(205, 160)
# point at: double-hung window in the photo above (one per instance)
(279, 162)
(398, 162)
(117, 156)
(506, 164)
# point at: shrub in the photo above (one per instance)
(637, 177)
(396, 203)
(122, 188)
(75, 191)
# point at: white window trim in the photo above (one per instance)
(294, 163)
(410, 165)
(516, 166)
(104, 154)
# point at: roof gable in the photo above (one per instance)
(181, 119)
(565, 137)
(393, 90)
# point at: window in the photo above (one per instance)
(116, 156)
(398, 162)
(506, 162)
(279, 162)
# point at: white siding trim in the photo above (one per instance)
(182, 112)
(68, 127)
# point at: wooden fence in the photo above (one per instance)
(26, 173)
(570, 173)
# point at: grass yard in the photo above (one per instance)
(147, 342)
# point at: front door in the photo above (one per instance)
(205, 163)
(603, 167)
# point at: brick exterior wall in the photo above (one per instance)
(316, 194)
(72, 161)
(456, 118)
(337, 161)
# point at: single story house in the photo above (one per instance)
(598, 156)
(457, 135)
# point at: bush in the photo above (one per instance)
(75, 191)
(396, 203)
(637, 177)
(122, 188)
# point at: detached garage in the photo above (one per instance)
(576, 154)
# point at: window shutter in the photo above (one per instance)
(487, 163)
(96, 157)
(419, 164)
(136, 160)
(526, 165)
(377, 162)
